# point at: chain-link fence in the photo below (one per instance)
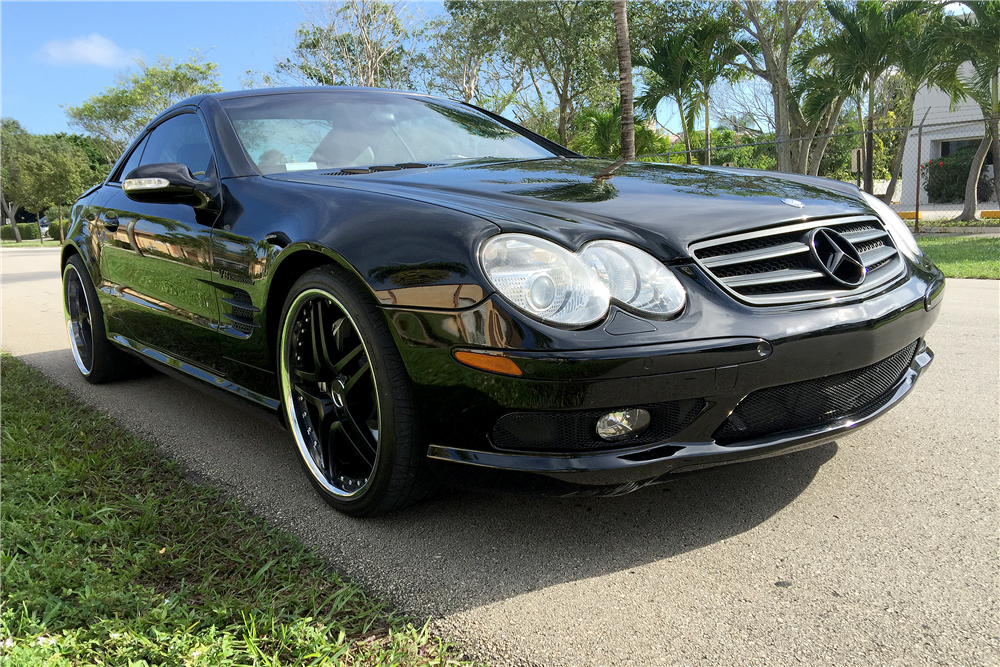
(926, 168)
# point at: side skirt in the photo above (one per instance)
(204, 380)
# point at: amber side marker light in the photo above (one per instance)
(494, 363)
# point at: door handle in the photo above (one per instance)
(110, 220)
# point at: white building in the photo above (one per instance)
(945, 131)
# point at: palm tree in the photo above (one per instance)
(979, 43)
(714, 51)
(670, 73)
(624, 79)
(862, 51)
(925, 56)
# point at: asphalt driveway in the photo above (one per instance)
(878, 549)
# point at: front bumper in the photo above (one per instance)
(718, 353)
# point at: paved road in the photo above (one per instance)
(879, 549)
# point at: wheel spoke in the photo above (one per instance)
(362, 372)
(347, 358)
(362, 446)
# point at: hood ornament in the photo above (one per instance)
(793, 202)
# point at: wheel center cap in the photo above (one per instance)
(337, 391)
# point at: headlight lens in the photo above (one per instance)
(898, 230)
(551, 283)
(544, 279)
(635, 278)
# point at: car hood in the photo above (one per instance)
(662, 207)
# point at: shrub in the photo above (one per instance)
(944, 178)
(29, 231)
(53, 230)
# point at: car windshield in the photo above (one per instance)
(338, 130)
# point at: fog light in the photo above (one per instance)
(622, 424)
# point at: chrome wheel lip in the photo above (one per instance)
(74, 325)
(284, 374)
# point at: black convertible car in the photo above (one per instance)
(423, 291)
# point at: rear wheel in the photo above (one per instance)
(347, 398)
(96, 358)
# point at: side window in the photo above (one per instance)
(181, 139)
(132, 162)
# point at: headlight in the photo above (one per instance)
(898, 230)
(634, 278)
(544, 279)
(549, 282)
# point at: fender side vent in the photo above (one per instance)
(243, 312)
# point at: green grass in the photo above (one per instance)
(109, 557)
(33, 243)
(963, 256)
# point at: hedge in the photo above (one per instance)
(29, 231)
(53, 230)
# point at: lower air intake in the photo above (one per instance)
(576, 430)
(800, 405)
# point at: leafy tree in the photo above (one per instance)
(979, 43)
(119, 113)
(567, 45)
(777, 28)
(458, 63)
(353, 43)
(13, 143)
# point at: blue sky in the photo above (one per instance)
(61, 53)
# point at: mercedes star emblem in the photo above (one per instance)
(837, 257)
(793, 202)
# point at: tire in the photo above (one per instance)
(347, 398)
(97, 359)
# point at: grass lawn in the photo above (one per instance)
(963, 256)
(109, 557)
(29, 244)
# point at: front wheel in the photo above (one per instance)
(347, 398)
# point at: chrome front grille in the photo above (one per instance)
(778, 266)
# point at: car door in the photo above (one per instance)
(156, 258)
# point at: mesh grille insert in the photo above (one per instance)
(575, 430)
(800, 405)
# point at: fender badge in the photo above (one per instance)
(793, 202)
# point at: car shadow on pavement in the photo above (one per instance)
(459, 550)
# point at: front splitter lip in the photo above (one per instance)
(626, 467)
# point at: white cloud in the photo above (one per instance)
(90, 50)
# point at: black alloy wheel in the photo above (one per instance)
(78, 322)
(349, 413)
(96, 358)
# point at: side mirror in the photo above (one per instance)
(171, 183)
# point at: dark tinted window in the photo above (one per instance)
(133, 161)
(181, 139)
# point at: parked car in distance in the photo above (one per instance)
(425, 292)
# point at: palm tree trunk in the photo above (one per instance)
(870, 140)
(624, 78)
(972, 184)
(897, 164)
(708, 133)
(684, 129)
(995, 130)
